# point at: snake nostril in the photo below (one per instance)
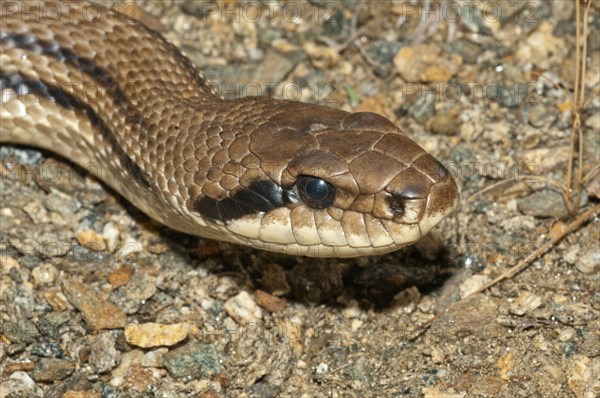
(397, 207)
(406, 210)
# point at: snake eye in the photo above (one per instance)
(315, 192)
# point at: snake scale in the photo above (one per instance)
(277, 175)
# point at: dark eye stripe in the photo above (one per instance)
(261, 196)
(269, 190)
(252, 201)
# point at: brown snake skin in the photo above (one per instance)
(114, 97)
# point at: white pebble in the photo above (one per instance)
(243, 309)
(111, 233)
(129, 246)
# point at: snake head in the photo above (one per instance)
(280, 175)
(327, 183)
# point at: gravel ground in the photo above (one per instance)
(96, 300)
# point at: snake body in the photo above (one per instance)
(120, 101)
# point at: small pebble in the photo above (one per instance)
(139, 378)
(445, 122)
(376, 103)
(37, 212)
(19, 384)
(566, 335)
(52, 369)
(322, 368)
(20, 332)
(571, 255)
(269, 302)
(50, 323)
(591, 344)
(47, 349)
(283, 46)
(120, 276)
(57, 300)
(468, 50)
(132, 296)
(57, 219)
(593, 122)
(383, 51)
(45, 274)
(322, 57)
(525, 303)
(472, 284)
(426, 63)
(129, 246)
(588, 261)
(259, 389)
(356, 325)
(243, 309)
(92, 240)
(147, 335)
(406, 300)
(475, 315)
(435, 392)
(59, 202)
(7, 263)
(12, 367)
(97, 312)
(111, 235)
(424, 108)
(352, 310)
(128, 361)
(104, 356)
(543, 203)
(583, 376)
(487, 386)
(542, 48)
(7, 212)
(155, 358)
(193, 360)
(334, 24)
(515, 223)
(542, 160)
(541, 115)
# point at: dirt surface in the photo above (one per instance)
(96, 300)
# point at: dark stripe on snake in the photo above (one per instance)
(61, 54)
(22, 85)
(261, 196)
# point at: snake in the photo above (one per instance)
(114, 97)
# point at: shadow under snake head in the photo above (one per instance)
(323, 182)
